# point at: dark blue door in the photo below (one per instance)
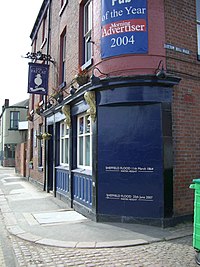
(130, 161)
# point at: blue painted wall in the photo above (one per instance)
(82, 189)
(130, 159)
(62, 182)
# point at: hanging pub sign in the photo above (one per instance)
(38, 78)
(124, 27)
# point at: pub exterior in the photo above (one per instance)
(115, 131)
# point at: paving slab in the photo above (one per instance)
(34, 215)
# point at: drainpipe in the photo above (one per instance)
(45, 101)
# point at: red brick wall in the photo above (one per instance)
(20, 159)
(69, 19)
(181, 31)
(170, 22)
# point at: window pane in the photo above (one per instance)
(64, 48)
(14, 119)
(198, 9)
(62, 151)
(64, 144)
(63, 56)
(198, 38)
(66, 130)
(66, 151)
(40, 142)
(62, 130)
(87, 150)
(81, 151)
(87, 30)
(87, 124)
(81, 125)
(88, 52)
(84, 141)
(88, 17)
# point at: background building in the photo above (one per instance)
(11, 134)
(122, 107)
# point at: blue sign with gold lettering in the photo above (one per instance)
(124, 27)
(38, 78)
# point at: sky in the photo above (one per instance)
(16, 22)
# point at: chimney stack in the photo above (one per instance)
(6, 103)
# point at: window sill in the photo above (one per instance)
(63, 7)
(83, 171)
(62, 167)
(87, 64)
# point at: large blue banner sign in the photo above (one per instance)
(124, 27)
(38, 78)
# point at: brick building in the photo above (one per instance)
(122, 107)
(13, 131)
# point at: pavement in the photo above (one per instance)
(36, 216)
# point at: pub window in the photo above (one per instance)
(84, 142)
(64, 144)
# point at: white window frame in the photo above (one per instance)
(83, 135)
(198, 27)
(87, 31)
(63, 4)
(64, 139)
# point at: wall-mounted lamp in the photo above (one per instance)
(160, 71)
(94, 79)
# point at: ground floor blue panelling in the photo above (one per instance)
(83, 189)
(62, 181)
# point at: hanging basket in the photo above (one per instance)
(46, 136)
(81, 79)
